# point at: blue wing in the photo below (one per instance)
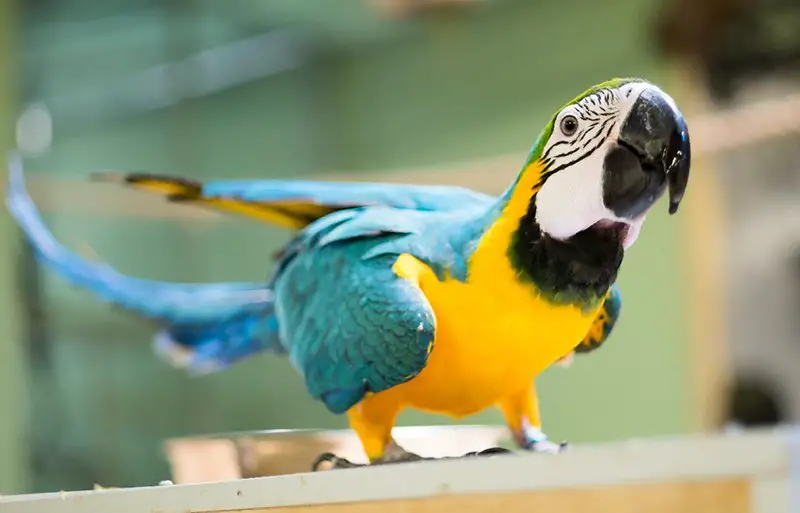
(604, 322)
(205, 326)
(350, 324)
(297, 203)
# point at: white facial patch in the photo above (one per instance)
(571, 199)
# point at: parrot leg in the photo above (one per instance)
(372, 420)
(521, 412)
(393, 453)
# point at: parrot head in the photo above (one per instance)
(605, 158)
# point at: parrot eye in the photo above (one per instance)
(569, 125)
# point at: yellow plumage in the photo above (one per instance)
(293, 215)
(494, 335)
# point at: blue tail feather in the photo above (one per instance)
(205, 327)
(204, 348)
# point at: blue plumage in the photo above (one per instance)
(347, 194)
(346, 303)
(384, 331)
(205, 326)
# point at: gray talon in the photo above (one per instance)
(396, 454)
(546, 446)
(329, 461)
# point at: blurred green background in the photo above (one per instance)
(329, 86)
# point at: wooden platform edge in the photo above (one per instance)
(760, 457)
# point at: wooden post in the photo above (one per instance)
(704, 229)
(14, 465)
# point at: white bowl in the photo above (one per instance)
(268, 453)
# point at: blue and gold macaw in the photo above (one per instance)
(435, 298)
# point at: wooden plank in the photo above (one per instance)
(772, 494)
(723, 496)
(681, 461)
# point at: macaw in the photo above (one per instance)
(435, 298)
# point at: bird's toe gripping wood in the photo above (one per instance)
(329, 461)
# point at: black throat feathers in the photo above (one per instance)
(579, 270)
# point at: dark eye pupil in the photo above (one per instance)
(569, 125)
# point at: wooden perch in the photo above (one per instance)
(739, 473)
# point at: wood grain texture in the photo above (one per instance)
(724, 496)
(703, 224)
(700, 473)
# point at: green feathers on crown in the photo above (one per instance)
(544, 136)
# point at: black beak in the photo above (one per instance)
(653, 154)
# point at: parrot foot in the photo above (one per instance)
(329, 461)
(533, 440)
(546, 447)
(393, 454)
(491, 451)
(396, 454)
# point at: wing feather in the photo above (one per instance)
(295, 204)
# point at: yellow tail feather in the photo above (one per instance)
(287, 214)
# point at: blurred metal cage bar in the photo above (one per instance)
(200, 74)
(254, 53)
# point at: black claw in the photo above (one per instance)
(532, 446)
(333, 462)
(494, 450)
(405, 457)
(329, 461)
(487, 452)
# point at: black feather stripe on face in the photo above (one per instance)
(598, 114)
